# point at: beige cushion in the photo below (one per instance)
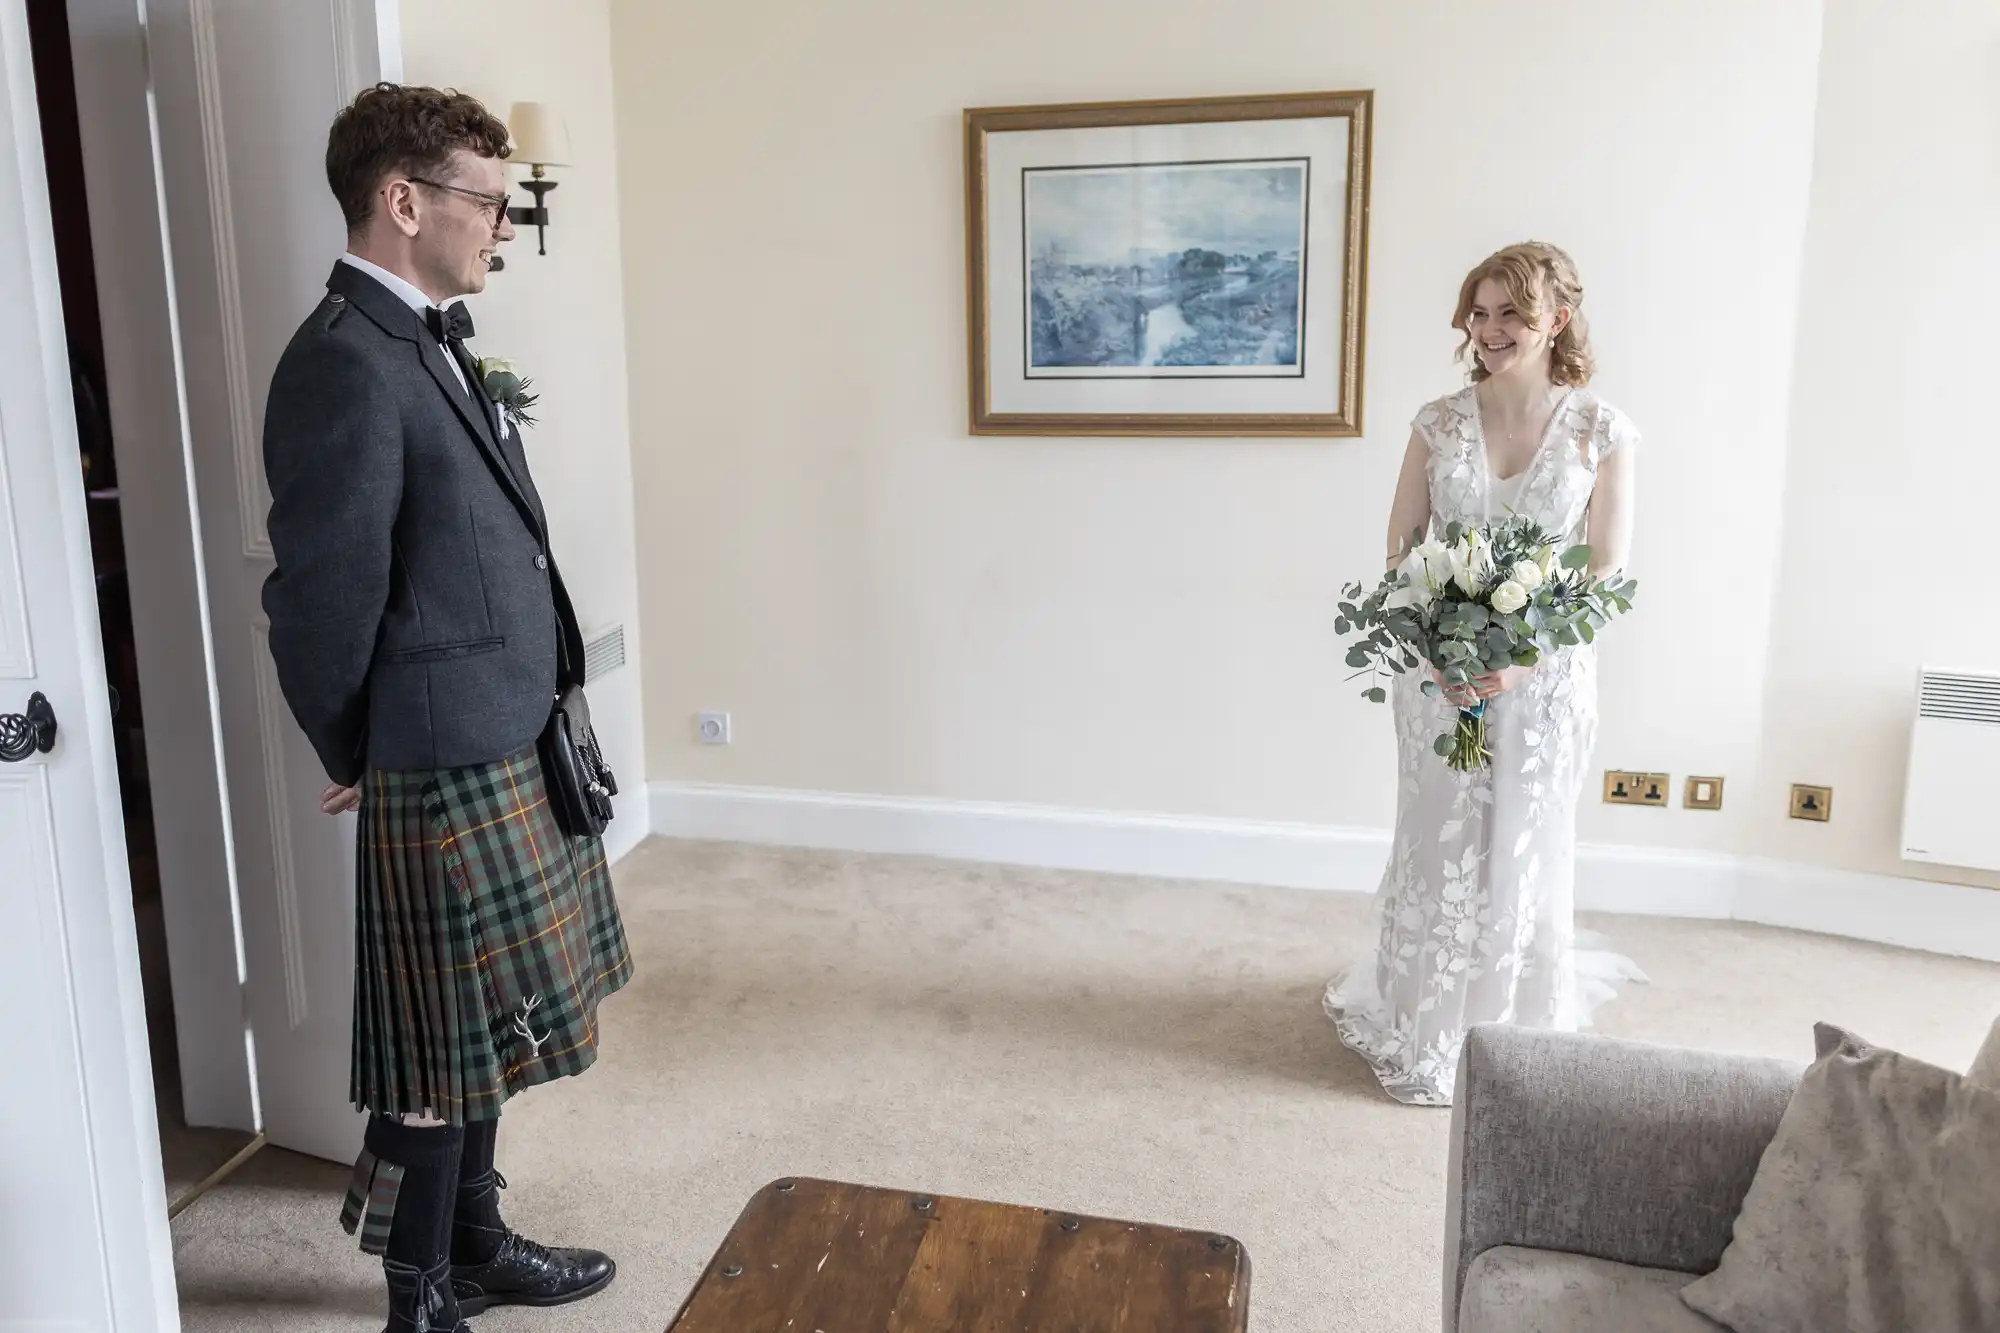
(1513, 1289)
(1875, 1208)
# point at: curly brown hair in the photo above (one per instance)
(1539, 279)
(399, 128)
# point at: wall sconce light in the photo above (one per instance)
(541, 141)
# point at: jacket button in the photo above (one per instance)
(541, 561)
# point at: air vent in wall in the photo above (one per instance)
(1960, 698)
(604, 653)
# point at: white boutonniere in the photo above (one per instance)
(507, 388)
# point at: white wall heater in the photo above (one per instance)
(1948, 798)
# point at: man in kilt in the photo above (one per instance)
(418, 625)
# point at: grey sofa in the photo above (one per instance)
(1592, 1178)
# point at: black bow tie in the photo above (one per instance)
(452, 322)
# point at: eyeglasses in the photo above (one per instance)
(496, 202)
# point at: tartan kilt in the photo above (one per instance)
(484, 939)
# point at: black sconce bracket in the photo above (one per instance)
(536, 217)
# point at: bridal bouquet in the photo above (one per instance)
(1481, 599)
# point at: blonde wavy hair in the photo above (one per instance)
(1539, 279)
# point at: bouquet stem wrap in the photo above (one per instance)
(1468, 742)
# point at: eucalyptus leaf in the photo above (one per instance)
(1443, 745)
(1576, 557)
(1377, 695)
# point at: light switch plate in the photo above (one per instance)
(1703, 794)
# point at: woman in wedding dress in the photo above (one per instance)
(1474, 915)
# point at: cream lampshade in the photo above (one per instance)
(541, 138)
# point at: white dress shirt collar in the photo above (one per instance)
(412, 295)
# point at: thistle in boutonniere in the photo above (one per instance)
(507, 388)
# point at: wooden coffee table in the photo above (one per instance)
(818, 1256)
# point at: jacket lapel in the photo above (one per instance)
(395, 317)
(507, 445)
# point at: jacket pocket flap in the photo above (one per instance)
(438, 652)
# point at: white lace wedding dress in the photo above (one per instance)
(1473, 918)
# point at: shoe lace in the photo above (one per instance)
(537, 1253)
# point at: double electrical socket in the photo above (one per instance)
(1622, 787)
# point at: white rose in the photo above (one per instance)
(1509, 597)
(1528, 574)
(504, 365)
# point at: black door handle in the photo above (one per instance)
(32, 732)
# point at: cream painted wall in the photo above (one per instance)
(562, 315)
(888, 605)
(1895, 457)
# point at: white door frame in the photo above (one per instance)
(242, 108)
(163, 540)
(191, 262)
(103, 1259)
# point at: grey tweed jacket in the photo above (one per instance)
(416, 614)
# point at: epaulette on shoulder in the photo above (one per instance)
(329, 312)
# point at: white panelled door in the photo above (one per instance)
(244, 105)
(84, 1246)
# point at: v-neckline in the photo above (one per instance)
(1541, 446)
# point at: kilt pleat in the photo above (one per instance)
(484, 940)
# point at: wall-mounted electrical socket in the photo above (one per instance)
(1624, 787)
(712, 728)
(1702, 794)
(1815, 803)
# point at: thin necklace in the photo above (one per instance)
(1549, 401)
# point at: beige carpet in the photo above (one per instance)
(1129, 1048)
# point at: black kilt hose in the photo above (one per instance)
(484, 939)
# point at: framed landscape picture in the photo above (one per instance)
(1168, 268)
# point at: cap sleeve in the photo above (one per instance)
(1443, 425)
(1614, 434)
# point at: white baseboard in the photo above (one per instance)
(1644, 881)
(632, 826)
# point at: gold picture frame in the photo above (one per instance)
(1041, 381)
